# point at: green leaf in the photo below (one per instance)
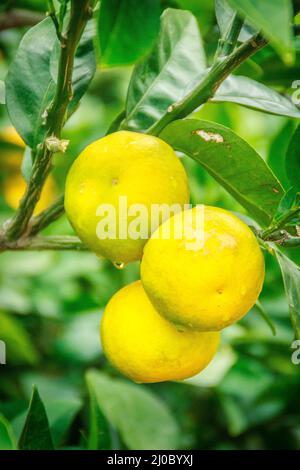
(277, 151)
(292, 161)
(7, 440)
(273, 17)
(143, 421)
(231, 161)
(250, 93)
(286, 204)
(36, 433)
(101, 434)
(20, 349)
(31, 79)
(225, 15)
(2, 92)
(61, 414)
(291, 278)
(29, 86)
(163, 77)
(126, 29)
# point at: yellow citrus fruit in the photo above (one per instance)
(205, 286)
(147, 348)
(14, 187)
(143, 169)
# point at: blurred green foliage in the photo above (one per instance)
(51, 304)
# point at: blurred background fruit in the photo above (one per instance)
(13, 184)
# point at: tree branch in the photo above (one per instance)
(210, 83)
(45, 243)
(268, 233)
(228, 42)
(56, 116)
(283, 238)
(57, 25)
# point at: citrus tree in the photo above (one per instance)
(176, 71)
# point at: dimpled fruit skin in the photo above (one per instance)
(141, 167)
(210, 288)
(147, 348)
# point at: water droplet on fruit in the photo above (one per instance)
(119, 265)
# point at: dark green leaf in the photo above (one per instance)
(250, 93)
(29, 86)
(36, 433)
(273, 17)
(2, 92)
(231, 161)
(292, 161)
(7, 440)
(163, 78)
(126, 29)
(61, 413)
(277, 152)
(291, 278)
(143, 421)
(101, 434)
(286, 204)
